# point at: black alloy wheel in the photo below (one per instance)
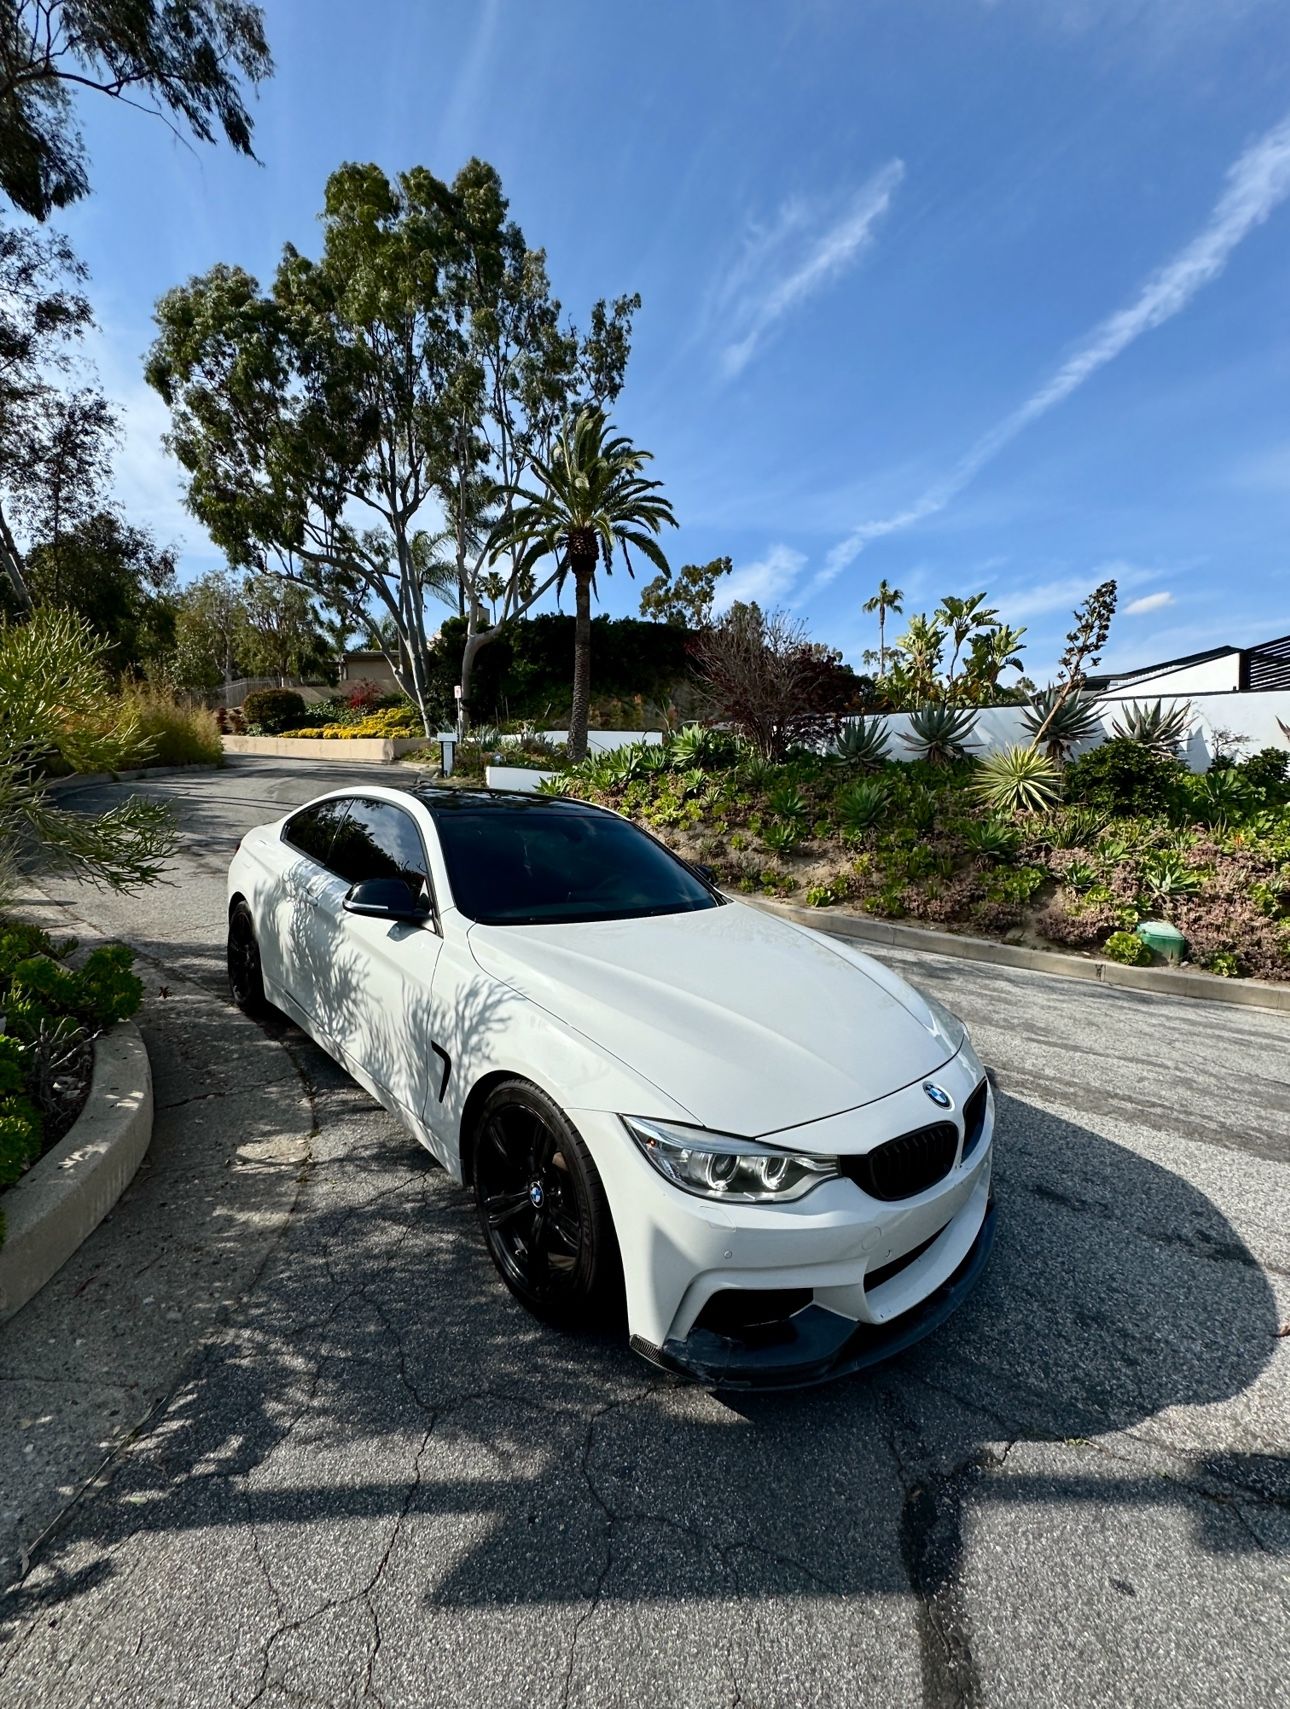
(245, 979)
(543, 1209)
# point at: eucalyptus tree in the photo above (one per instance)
(524, 372)
(310, 418)
(52, 431)
(360, 426)
(592, 500)
(184, 58)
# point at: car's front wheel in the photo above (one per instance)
(543, 1209)
(245, 978)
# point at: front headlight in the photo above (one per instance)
(721, 1166)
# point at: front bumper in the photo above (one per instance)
(815, 1344)
(859, 1279)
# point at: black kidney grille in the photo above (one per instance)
(974, 1120)
(902, 1167)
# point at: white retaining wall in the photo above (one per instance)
(1253, 716)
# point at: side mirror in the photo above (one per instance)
(385, 899)
(707, 873)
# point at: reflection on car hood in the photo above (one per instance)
(749, 1022)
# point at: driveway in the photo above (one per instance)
(379, 1479)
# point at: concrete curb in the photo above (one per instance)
(62, 1199)
(86, 779)
(1161, 981)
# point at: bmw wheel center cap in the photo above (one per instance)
(536, 1195)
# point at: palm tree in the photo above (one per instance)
(886, 599)
(493, 586)
(593, 496)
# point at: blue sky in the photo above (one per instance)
(963, 293)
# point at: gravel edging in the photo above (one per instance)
(1162, 981)
(61, 1199)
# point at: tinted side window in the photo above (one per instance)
(313, 830)
(379, 840)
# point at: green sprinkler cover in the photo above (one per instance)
(1162, 939)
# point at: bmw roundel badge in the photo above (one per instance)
(936, 1094)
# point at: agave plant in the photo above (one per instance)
(1073, 722)
(862, 804)
(787, 801)
(940, 734)
(1220, 797)
(1017, 780)
(994, 838)
(1154, 728)
(1074, 827)
(654, 759)
(863, 744)
(1168, 875)
(756, 770)
(783, 836)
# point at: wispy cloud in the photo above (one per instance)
(1148, 602)
(767, 578)
(1257, 183)
(797, 256)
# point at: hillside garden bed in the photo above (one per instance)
(1131, 836)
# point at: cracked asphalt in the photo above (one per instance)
(357, 1472)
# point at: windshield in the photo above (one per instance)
(536, 864)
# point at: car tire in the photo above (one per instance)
(542, 1208)
(245, 976)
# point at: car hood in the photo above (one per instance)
(750, 1023)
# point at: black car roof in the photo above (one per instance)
(440, 800)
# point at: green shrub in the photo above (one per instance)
(1123, 778)
(1266, 771)
(274, 709)
(1128, 948)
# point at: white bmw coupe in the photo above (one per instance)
(777, 1150)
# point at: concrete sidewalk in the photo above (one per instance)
(103, 1344)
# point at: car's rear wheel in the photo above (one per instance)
(245, 977)
(543, 1209)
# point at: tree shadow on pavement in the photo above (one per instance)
(383, 1411)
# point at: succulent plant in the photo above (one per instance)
(939, 734)
(994, 838)
(1073, 722)
(1017, 780)
(863, 745)
(862, 804)
(1152, 727)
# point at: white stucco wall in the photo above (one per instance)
(1212, 676)
(1252, 716)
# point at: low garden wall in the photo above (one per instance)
(369, 749)
(64, 1196)
(1256, 717)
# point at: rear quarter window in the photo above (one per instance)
(313, 830)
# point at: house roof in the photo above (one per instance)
(1262, 666)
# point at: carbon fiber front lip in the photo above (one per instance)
(815, 1345)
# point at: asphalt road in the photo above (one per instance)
(381, 1480)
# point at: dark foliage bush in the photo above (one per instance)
(1124, 779)
(526, 670)
(1266, 771)
(50, 1010)
(274, 709)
